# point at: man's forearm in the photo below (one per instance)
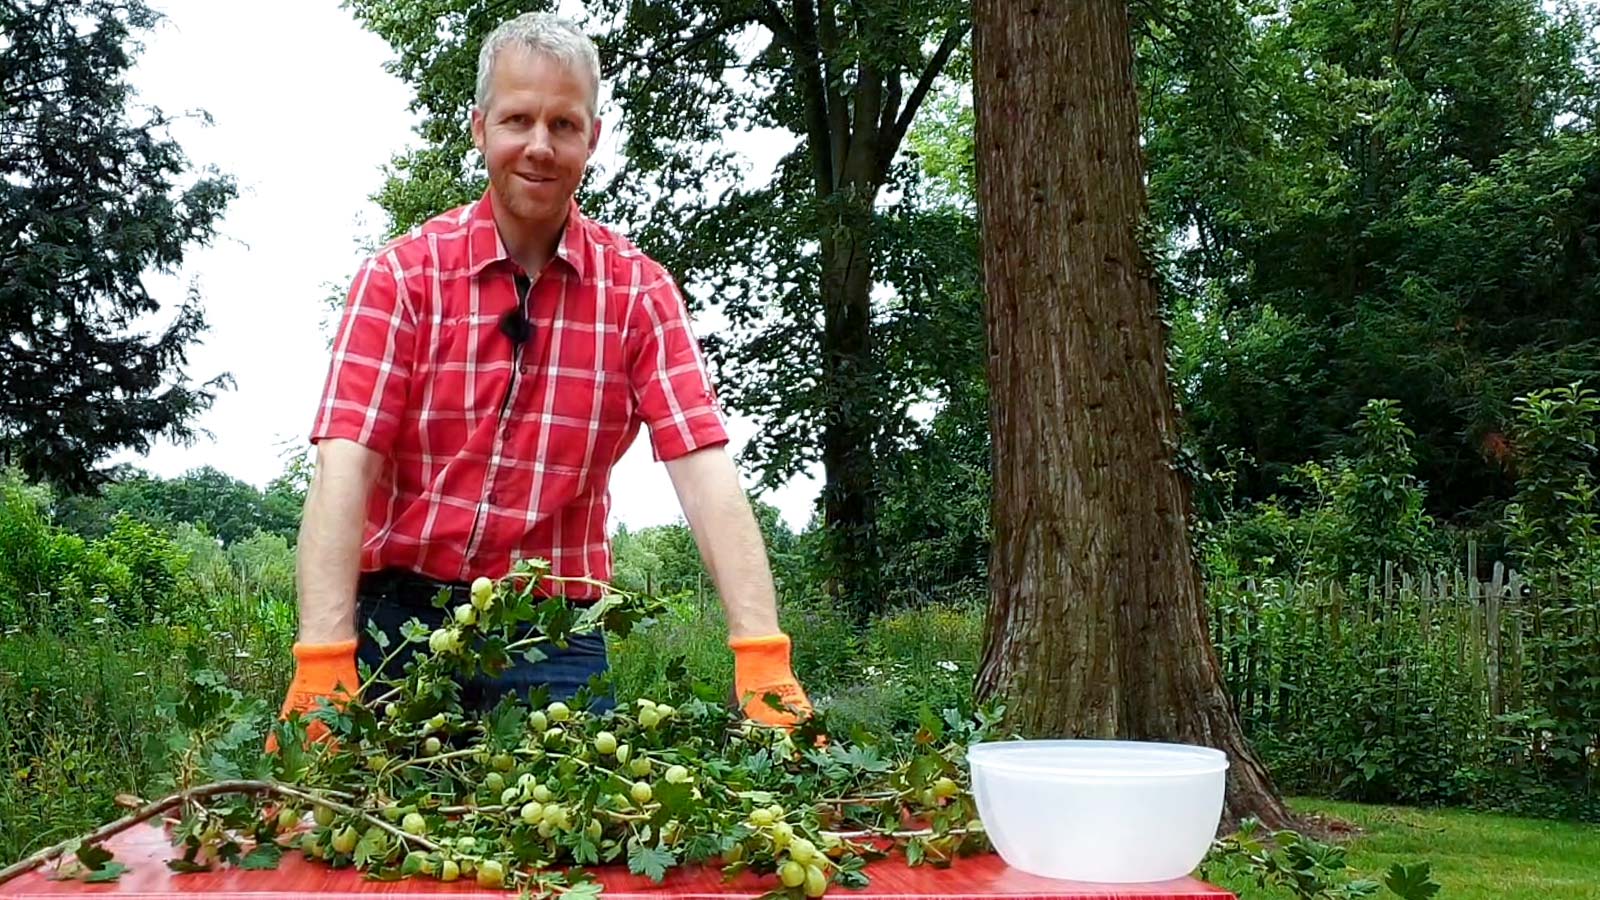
(329, 550)
(729, 540)
(737, 557)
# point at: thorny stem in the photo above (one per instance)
(110, 829)
(192, 796)
(340, 807)
(453, 754)
(897, 835)
(582, 762)
(384, 667)
(857, 801)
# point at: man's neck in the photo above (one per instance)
(530, 244)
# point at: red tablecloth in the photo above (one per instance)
(145, 849)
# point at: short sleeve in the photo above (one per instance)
(364, 396)
(671, 384)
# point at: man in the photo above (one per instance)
(490, 369)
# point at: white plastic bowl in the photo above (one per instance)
(1102, 811)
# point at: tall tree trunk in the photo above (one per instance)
(852, 136)
(851, 390)
(1096, 625)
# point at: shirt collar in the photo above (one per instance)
(485, 247)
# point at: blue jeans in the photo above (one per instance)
(391, 598)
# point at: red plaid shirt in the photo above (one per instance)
(496, 453)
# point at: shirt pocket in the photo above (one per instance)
(468, 369)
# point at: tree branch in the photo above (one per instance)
(808, 63)
(865, 139)
(891, 103)
(157, 807)
(780, 27)
(111, 829)
(674, 52)
(941, 57)
(838, 109)
(1400, 11)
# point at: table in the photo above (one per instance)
(145, 849)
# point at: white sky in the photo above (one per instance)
(303, 117)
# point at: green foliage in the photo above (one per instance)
(1381, 691)
(934, 514)
(1377, 499)
(876, 681)
(1349, 696)
(79, 708)
(153, 562)
(1351, 516)
(926, 656)
(526, 791)
(665, 560)
(264, 565)
(27, 546)
(1307, 868)
(660, 559)
(1373, 199)
(1476, 856)
(942, 140)
(1553, 527)
(89, 204)
(692, 628)
(55, 580)
(226, 507)
(1413, 690)
(1551, 521)
(1350, 200)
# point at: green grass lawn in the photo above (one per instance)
(1475, 856)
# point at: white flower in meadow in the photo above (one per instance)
(947, 665)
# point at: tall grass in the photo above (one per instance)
(78, 721)
(875, 678)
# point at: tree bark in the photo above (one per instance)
(1096, 625)
(851, 385)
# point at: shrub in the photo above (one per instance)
(1345, 517)
(54, 579)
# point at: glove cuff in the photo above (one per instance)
(322, 653)
(762, 661)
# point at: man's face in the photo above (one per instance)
(535, 133)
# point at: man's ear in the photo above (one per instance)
(477, 128)
(594, 136)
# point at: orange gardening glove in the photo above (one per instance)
(321, 670)
(760, 667)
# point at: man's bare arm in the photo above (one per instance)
(730, 542)
(331, 530)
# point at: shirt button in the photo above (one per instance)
(493, 498)
(523, 370)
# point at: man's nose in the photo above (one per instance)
(538, 146)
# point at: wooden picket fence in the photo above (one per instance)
(1488, 638)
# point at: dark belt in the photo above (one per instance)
(406, 588)
(409, 589)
